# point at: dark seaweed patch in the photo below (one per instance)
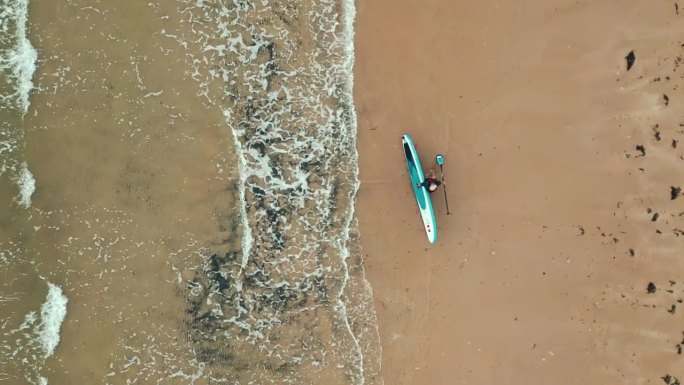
(631, 58)
(259, 192)
(214, 355)
(641, 149)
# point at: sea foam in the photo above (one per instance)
(52, 314)
(27, 185)
(20, 58)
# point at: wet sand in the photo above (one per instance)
(541, 271)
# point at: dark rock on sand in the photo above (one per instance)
(672, 309)
(674, 192)
(651, 288)
(630, 60)
(666, 99)
(655, 217)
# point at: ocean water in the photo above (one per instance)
(179, 180)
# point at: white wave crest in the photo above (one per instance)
(52, 314)
(27, 186)
(20, 58)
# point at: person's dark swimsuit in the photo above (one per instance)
(429, 182)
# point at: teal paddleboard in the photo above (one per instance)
(422, 195)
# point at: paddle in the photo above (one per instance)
(440, 161)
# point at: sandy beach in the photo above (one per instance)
(185, 204)
(562, 170)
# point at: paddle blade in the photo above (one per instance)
(439, 159)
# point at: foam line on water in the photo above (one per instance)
(21, 58)
(348, 67)
(33, 341)
(246, 230)
(27, 186)
(52, 314)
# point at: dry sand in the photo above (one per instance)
(533, 278)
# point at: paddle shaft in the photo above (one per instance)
(444, 186)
